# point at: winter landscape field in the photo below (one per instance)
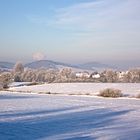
(28, 115)
(69, 69)
(128, 89)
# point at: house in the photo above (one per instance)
(82, 75)
(95, 75)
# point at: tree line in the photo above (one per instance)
(21, 74)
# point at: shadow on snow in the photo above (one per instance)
(6, 97)
(67, 125)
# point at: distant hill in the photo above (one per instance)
(58, 65)
(49, 64)
(6, 65)
(95, 66)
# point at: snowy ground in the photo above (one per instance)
(130, 89)
(61, 117)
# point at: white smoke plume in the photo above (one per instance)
(38, 56)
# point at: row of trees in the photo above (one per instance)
(40, 75)
(130, 76)
(67, 75)
(21, 74)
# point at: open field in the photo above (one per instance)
(128, 89)
(61, 117)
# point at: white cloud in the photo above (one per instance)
(96, 16)
(100, 16)
(38, 56)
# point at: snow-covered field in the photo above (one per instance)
(130, 89)
(63, 117)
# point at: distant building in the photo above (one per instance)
(82, 75)
(95, 75)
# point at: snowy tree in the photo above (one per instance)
(18, 68)
(132, 76)
(51, 75)
(17, 71)
(110, 76)
(5, 79)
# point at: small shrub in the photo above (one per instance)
(138, 96)
(110, 92)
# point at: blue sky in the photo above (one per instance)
(73, 31)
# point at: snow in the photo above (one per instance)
(17, 84)
(130, 89)
(61, 117)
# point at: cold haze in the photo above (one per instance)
(73, 31)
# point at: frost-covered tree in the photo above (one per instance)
(28, 75)
(135, 75)
(65, 74)
(110, 76)
(132, 76)
(51, 75)
(5, 79)
(18, 68)
(127, 77)
(17, 71)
